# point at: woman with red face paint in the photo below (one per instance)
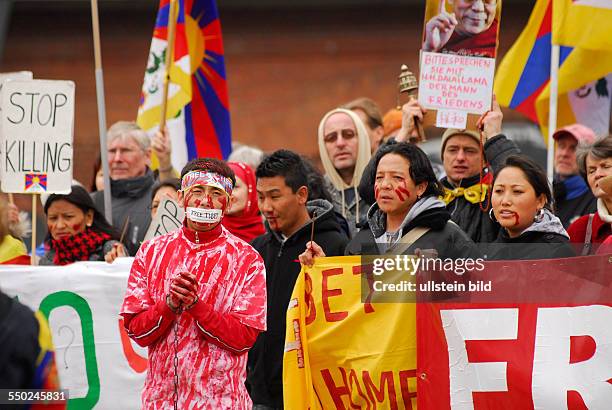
(522, 204)
(408, 214)
(196, 297)
(77, 230)
(243, 218)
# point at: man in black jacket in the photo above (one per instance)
(27, 359)
(467, 183)
(283, 200)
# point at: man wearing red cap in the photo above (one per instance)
(573, 198)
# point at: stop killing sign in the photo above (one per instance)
(36, 136)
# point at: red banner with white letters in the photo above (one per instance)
(539, 337)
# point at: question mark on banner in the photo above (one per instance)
(69, 343)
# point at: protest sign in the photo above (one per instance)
(344, 351)
(16, 75)
(457, 83)
(341, 353)
(457, 62)
(96, 361)
(169, 218)
(37, 123)
(539, 337)
(462, 27)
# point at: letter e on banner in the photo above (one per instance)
(476, 324)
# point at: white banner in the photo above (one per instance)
(37, 122)
(96, 361)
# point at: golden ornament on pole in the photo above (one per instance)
(409, 86)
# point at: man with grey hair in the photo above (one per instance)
(131, 178)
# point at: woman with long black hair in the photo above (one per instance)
(77, 230)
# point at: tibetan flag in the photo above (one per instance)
(583, 23)
(523, 77)
(36, 182)
(198, 108)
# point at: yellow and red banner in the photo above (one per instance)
(343, 353)
(524, 335)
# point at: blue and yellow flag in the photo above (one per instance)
(523, 77)
(198, 106)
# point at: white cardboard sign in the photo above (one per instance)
(36, 145)
(100, 366)
(168, 219)
(456, 82)
(451, 119)
(16, 75)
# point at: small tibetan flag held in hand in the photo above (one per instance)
(197, 102)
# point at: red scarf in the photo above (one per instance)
(247, 225)
(77, 247)
(481, 45)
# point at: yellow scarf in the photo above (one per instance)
(474, 194)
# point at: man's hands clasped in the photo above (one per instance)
(183, 293)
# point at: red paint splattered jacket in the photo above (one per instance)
(213, 336)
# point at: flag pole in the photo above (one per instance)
(552, 112)
(34, 207)
(169, 59)
(108, 210)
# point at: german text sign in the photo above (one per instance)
(37, 136)
(455, 82)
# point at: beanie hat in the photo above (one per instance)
(451, 132)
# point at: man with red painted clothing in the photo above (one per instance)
(203, 289)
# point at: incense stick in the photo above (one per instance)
(314, 216)
(124, 230)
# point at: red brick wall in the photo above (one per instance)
(285, 69)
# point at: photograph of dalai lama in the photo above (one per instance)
(466, 27)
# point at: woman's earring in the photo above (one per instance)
(492, 215)
(539, 215)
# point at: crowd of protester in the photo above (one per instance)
(378, 194)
